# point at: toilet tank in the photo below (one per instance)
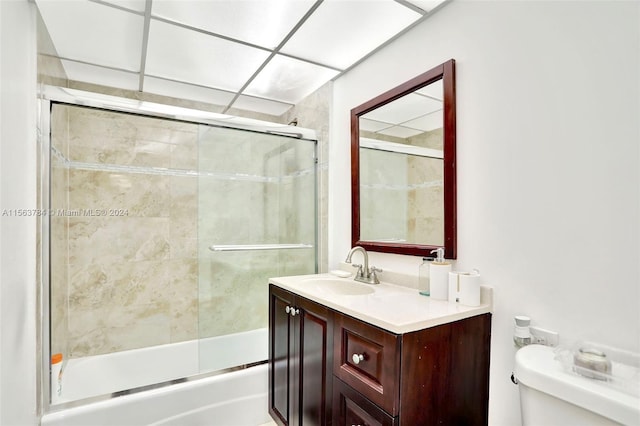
(551, 394)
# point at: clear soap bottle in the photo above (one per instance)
(423, 276)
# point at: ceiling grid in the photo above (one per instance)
(262, 55)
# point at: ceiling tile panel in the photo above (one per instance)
(433, 90)
(260, 22)
(94, 33)
(426, 5)
(371, 125)
(404, 109)
(289, 80)
(100, 75)
(400, 132)
(427, 122)
(135, 5)
(179, 90)
(341, 32)
(180, 54)
(265, 106)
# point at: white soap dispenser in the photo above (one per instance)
(439, 276)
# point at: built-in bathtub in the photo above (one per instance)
(238, 397)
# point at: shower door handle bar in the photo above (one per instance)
(247, 247)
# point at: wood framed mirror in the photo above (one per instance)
(403, 167)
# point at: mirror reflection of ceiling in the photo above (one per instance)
(256, 55)
(418, 112)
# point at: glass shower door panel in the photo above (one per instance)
(122, 252)
(256, 220)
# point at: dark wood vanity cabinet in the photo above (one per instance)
(434, 376)
(300, 353)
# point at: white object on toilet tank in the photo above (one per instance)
(549, 395)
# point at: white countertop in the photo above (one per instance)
(393, 308)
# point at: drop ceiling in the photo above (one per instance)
(417, 112)
(256, 55)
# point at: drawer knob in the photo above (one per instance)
(357, 358)
(292, 311)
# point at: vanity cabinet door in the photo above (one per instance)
(282, 362)
(300, 354)
(315, 350)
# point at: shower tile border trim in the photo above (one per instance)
(164, 171)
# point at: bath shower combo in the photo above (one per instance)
(163, 226)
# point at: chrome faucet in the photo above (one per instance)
(364, 274)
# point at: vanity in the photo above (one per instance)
(346, 353)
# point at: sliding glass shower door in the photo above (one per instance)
(161, 236)
(256, 219)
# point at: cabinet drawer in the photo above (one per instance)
(350, 408)
(367, 359)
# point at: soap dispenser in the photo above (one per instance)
(439, 276)
(423, 276)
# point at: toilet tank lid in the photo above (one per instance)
(537, 368)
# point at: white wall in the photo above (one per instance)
(548, 158)
(17, 234)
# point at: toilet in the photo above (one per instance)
(550, 395)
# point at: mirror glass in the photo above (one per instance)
(403, 167)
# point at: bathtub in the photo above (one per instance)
(239, 397)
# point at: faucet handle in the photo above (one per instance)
(360, 272)
(374, 277)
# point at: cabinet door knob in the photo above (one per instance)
(357, 358)
(287, 309)
(294, 312)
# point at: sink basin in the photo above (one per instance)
(342, 287)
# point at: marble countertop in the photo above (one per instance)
(394, 308)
